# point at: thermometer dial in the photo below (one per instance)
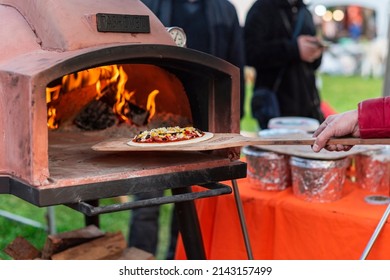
(178, 36)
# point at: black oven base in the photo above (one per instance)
(49, 196)
(84, 198)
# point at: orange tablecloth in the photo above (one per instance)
(281, 226)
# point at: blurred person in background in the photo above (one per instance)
(284, 62)
(211, 26)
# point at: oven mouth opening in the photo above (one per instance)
(118, 99)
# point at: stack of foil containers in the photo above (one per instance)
(373, 170)
(267, 171)
(318, 180)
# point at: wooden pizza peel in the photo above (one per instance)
(229, 140)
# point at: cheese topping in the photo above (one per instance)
(168, 134)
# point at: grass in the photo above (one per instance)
(342, 93)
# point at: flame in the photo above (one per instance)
(151, 104)
(51, 123)
(122, 96)
(51, 95)
(112, 76)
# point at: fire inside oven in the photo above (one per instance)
(120, 99)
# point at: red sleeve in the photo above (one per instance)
(374, 118)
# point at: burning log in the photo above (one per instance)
(137, 115)
(96, 116)
(67, 106)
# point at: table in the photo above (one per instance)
(284, 227)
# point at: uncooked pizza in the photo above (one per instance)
(170, 136)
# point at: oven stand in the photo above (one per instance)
(241, 215)
(183, 198)
(185, 210)
(190, 228)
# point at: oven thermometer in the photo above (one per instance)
(178, 35)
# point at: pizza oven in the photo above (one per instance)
(75, 73)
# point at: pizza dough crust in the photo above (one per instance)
(206, 136)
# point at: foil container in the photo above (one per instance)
(281, 132)
(300, 123)
(373, 170)
(267, 171)
(316, 180)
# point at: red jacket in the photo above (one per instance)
(374, 118)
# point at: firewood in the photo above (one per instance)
(107, 247)
(97, 115)
(59, 242)
(134, 253)
(70, 103)
(21, 249)
(138, 115)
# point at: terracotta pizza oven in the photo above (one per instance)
(74, 73)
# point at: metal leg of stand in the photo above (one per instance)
(93, 220)
(51, 220)
(376, 233)
(189, 227)
(242, 220)
(22, 220)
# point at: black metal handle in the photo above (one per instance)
(213, 189)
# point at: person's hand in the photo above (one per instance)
(309, 48)
(336, 126)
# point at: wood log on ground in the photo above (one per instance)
(134, 253)
(21, 249)
(107, 247)
(59, 242)
(88, 243)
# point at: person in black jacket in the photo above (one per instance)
(270, 47)
(211, 26)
